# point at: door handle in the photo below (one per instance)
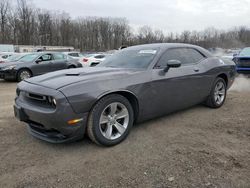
(196, 69)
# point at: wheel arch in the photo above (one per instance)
(71, 66)
(224, 77)
(23, 68)
(131, 97)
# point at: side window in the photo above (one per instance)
(185, 55)
(5, 56)
(171, 54)
(99, 56)
(191, 56)
(59, 56)
(46, 57)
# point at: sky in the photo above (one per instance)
(167, 15)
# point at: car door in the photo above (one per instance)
(42, 65)
(180, 87)
(59, 62)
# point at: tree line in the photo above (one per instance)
(23, 24)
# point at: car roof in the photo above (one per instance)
(70, 52)
(165, 46)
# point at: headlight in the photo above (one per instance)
(54, 101)
(9, 67)
(51, 100)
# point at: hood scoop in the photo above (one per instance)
(72, 74)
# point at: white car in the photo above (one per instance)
(74, 55)
(92, 60)
(5, 55)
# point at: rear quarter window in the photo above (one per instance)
(74, 54)
(59, 56)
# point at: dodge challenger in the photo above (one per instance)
(136, 84)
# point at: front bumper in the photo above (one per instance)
(243, 70)
(44, 121)
(8, 74)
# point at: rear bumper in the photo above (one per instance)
(46, 123)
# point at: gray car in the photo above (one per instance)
(36, 64)
(136, 84)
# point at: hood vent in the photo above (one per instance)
(72, 74)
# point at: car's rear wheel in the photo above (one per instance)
(218, 94)
(71, 67)
(23, 74)
(110, 120)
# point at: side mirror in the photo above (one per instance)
(38, 61)
(234, 55)
(172, 64)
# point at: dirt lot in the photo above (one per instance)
(198, 147)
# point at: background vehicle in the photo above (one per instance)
(36, 64)
(4, 56)
(243, 61)
(92, 60)
(135, 84)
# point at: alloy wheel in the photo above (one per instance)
(219, 92)
(114, 120)
(24, 75)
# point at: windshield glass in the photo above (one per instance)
(29, 58)
(15, 57)
(245, 52)
(130, 59)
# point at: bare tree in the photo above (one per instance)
(4, 9)
(25, 24)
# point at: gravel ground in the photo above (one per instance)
(198, 147)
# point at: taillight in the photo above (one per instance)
(85, 60)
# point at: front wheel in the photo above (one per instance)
(110, 120)
(218, 94)
(23, 74)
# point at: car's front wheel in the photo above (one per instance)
(23, 74)
(110, 120)
(218, 94)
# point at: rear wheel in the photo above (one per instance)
(71, 67)
(218, 94)
(110, 120)
(23, 74)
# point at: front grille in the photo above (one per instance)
(45, 101)
(243, 62)
(37, 97)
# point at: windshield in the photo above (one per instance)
(245, 52)
(29, 58)
(130, 59)
(15, 57)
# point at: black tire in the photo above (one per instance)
(22, 71)
(71, 67)
(93, 127)
(211, 100)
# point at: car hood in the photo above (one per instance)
(7, 64)
(59, 79)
